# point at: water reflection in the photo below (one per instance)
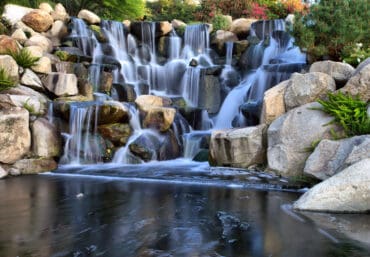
(62, 216)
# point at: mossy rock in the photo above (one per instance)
(98, 33)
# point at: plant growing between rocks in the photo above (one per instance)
(24, 58)
(6, 82)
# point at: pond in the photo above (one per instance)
(163, 210)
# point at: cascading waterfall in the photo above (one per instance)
(133, 60)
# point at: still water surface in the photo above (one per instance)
(152, 214)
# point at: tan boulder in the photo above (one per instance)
(46, 7)
(61, 84)
(177, 24)
(38, 20)
(89, 17)
(165, 27)
(9, 65)
(152, 100)
(223, 36)
(25, 28)
(59, 13)
(359, 84)
(19, 35)
(43, 65)
(30, 79)
(8, 44)
(32, 104)
(117, 133)
(59, 29)
(34, 166)
(41, 41)
(15, 136)
(46, 142)
(160, 118)
(241, 26)
(35, 51)
(341, 72)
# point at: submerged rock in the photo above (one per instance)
(117, 133)
(347, 191)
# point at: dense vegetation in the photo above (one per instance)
(336, 30)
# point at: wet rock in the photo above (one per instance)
(9, 65)
(8, 44)
(201, 156)
(60, 13)
(85, 88)
(210, 94)
(35, 166)
(117, 133)
(45, 139)
(241, 27)
(273, 103)
(38, 20)
(341, 72)
(106, 81)
(332, 156)
(223, 36)
(89, 17)
(43, 65)
(359, 84)
(61, 84)
(347, 191)
(170, 148)
(113, 112)
(125, 92)
(146, 147)
(41, 41)
(152, 100)
(238, 147)
(30, 79)
(306, 88)
(15, 136)
(14, 13)
(292, 134)
(160, 118)
(231, 227)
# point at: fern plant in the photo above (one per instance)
(348, 112)
(6, 81)
(24, 58)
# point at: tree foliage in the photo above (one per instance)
(332, 26)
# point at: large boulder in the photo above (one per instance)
(43, 65)
(209, 94)
(273, 103)
(291, 136)
(61, 84)
(30, 79)
(38, 20)
(9, 65)
(241, 27)
(59, 13)
(34, 166)
(14, 13)
(152, 100)
(306, 88)
(41, 41)
(30, 103)
(146, 146)
(347, 191)
(117, 133)
(8, 44)
(333, 156)
(15, 136)
(45, 139)
(113, 112)
(359, 84)
(89, 17)
(165, 27)
(239, 148)
(341, 72)
(160, 118)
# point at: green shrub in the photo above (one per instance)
(6, 81)
(24, 58)
(331, 26)
(348, 112)
(220, 22)
(164, 10)
(354, 54)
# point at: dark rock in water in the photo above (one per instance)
(143, 29)
(178, 102)
(106, 81)
(264, 28)
(143, 52)
(143, 88)
(112, 113)
(251, 111)
(75, 54)
(282, 37)
(231, 226)
(107, 61)
(125, 92)
(193, 63)
(117, 133)
(213, 70)
(170, 148)
(230, 79)
(85, 88)
(201, 156)
(193, 116)
(209, 94)
(251, 59)
(146, 146)
(163, 46)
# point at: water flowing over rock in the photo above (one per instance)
(347, 191)
(242, 26)
(238, 147)
(38, 20)
(331, 157)
(341, 72)
(291, 136)
(359, 84)
(45, 139)
(15, 136)
(306, 88)
(117, 133)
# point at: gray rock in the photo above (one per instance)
(9, 65)
(41, 41)
(341, 72)
(61, 84)
(331, 157)
(359, 84)
(45, 139)
(273, 103)
(210, 94)
(347, 191)
(31, 103)
(35, 166)
(292, 134)
(238, 147)
(362, 65)
(30, 79)
(15, 136)
(306, 88)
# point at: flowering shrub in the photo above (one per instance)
(258, 11)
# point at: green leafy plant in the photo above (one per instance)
(29, 107)
(348, 112)
(24, 58)
(220, 22)
(331, 26)
(6, 82)
(171, 9)
(354, 55)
